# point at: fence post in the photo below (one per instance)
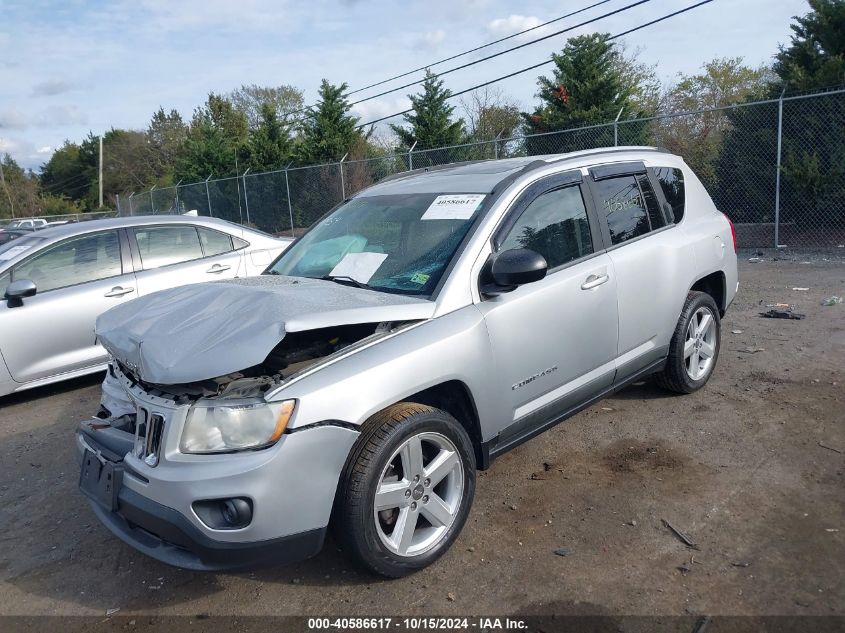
(290, 206)
(177, 195)
(246, 197)
(496, 144)
(117, 203)
(777, 175)
(152, 201)
(131, 210)
(411, 157)
(342, 181)
(616, 128)
(208, 196)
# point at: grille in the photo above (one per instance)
(149, 431)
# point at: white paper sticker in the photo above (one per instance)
(13, 252)
(358, 266)
(453, 207)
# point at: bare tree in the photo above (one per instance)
(286, 100)
(490, 113)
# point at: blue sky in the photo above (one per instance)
(69, 67)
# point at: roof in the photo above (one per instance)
(86, 226)
(483, 176)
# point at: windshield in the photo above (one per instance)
(398, 243)
(13, 248)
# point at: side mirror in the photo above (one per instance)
(18, 290)
(518, 266)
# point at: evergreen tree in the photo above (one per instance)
(431, 123)
(587, 87)
(270, 143)
(215, 142)
(165, 138)
(815, 57)
(328, 131)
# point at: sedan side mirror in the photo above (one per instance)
(18, 290)
(518, 266)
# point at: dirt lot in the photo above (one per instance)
(751, 468)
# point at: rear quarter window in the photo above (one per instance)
(671, 181)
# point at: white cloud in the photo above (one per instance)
(502, 27)
(378, 108)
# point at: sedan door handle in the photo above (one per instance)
(119, 291)
(217, 268)
(594, 281)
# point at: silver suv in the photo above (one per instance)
(422, 328)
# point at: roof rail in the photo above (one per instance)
(423, 170)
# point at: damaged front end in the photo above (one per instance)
(117, 421)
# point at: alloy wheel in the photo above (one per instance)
(700, 343)
(419, 494)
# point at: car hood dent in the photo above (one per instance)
(201, 331)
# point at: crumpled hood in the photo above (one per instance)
(201, 331)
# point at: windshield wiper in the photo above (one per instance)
(347, 279)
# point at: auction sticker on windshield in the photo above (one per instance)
(453, 207)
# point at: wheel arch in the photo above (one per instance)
(714, 285)
(455, 398)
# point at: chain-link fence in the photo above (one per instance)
(776, 167)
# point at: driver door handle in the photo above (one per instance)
(119, 291)
(594, 281)
(218, 268)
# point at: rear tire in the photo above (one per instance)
(695, 344)
(406, 489)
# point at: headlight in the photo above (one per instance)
(218, 427)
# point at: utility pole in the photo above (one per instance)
(101, 171)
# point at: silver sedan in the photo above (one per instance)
(55, 282)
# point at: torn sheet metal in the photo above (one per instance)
(115, 398)
(201, 331)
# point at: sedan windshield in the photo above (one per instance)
(13, 248)
(396, 243)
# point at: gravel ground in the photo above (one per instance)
(751, 468)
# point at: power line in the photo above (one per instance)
(73, 182)
(543, 63)
(504, 52)
(477, 48)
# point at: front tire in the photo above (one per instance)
(406, 489)
(695, 344)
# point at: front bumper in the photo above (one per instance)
(166, 535)
(291, 487)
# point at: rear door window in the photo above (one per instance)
(166, 245)
(629, 206)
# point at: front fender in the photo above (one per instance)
(455, 346)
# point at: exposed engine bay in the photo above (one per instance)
(295, 353)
